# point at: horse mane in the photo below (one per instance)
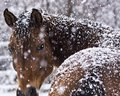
(90, 85)
(22, 25)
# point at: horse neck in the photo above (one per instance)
(67, 37)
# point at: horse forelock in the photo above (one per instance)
(22, 25)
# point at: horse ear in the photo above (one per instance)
(36, 18)
(10, 18)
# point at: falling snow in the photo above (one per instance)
(61, 90)
(43, 64)
(103, 11)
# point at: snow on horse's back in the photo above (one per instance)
(90, 72)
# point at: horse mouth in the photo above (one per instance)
(31, 92)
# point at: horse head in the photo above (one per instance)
(30, 49)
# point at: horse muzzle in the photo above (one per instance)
(31, 92)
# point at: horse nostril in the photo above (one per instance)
(20, 93)
(32, 92)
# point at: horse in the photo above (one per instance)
(41, 41)
(89, 72)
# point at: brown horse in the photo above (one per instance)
(40, 41)
(90, 72)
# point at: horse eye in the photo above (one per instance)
(40, 47)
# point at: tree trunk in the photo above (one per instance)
(69, 6)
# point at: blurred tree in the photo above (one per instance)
(70, 7)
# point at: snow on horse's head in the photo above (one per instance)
(30, 50)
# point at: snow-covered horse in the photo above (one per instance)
(40, 41)
(90, 72)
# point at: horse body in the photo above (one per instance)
(67, 37)
(40, 41)
(90, 72)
